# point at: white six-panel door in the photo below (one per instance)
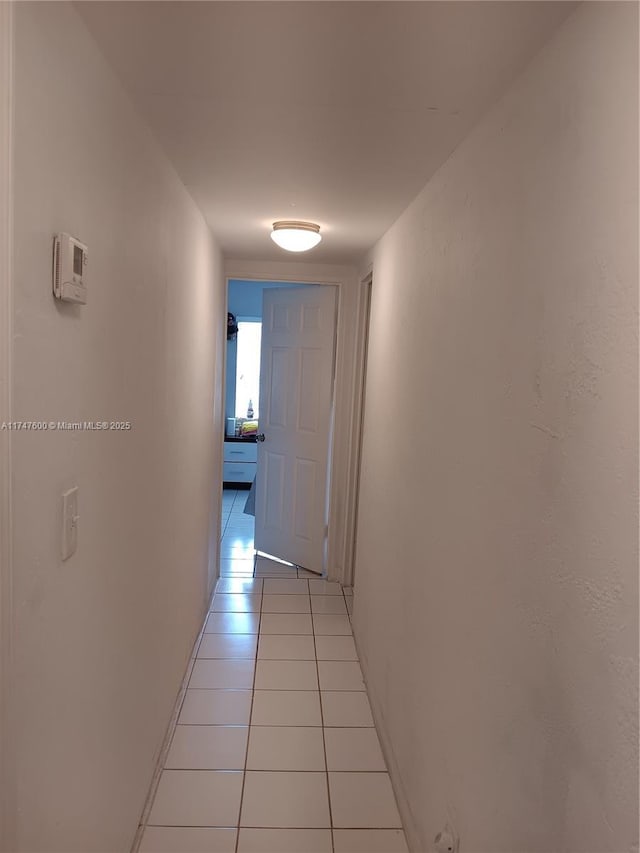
(296, 382)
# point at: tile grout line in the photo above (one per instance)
(268, 770)
(226, 524)
(253, 693)
(324, 740)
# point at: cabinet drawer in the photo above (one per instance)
(236, 451)
(239, 472)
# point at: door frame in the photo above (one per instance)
(342, 482)
(365, 294)
(7, 776)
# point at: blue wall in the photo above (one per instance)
(244, 300)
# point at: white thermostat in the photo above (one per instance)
(69, 262)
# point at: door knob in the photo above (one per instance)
(260, 437)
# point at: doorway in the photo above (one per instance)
(342, 492)
(281, 432)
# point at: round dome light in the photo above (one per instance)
(296, 236)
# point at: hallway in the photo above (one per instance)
(275, 749)
(468, 175)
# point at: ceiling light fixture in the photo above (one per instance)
(296, 236)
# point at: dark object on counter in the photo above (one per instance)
(232, 326)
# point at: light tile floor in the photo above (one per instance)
(274, 750)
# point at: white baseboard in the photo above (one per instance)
(408, 822)
(168, 735)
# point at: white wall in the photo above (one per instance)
(496, 579)
(102, 640)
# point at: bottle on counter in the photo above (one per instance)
(250, 409)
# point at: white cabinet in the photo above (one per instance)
(240, 461)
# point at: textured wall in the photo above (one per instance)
(102, 640)
(496, 579)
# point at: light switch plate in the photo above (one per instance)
(70, 520)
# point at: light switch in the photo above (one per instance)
(70, 520)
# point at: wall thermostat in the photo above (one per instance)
(69, 262)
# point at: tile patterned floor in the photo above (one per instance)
(274, 750)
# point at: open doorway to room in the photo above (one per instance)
(279, 415)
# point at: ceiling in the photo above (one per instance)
(336, 112)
